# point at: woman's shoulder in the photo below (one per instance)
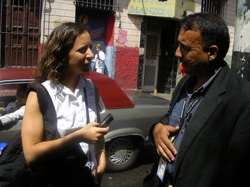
(87, 82)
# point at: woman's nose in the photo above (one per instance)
(90, 53)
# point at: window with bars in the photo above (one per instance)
(106, 5)
(213, 6)
(20, 32)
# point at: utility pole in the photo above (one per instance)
(241, 49)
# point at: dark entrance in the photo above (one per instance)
(168, 63)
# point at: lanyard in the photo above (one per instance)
(187, 115)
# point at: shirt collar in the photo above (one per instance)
(192, 81)
(60, 88)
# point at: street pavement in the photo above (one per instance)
(135, 175)
(164, 95)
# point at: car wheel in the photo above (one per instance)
(121, 153)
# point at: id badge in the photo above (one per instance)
(161, 169)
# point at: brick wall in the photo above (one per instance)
(130, 24)
(126, 67)
(54, 13)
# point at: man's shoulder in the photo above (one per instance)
(10, 108)
(11, 105)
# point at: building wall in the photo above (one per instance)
(129, 24)
(127, 31)
(241, 51)
(229, 16)
(54, 13)
(126, 68)
(228, 13)
(197, 6)
(127, 41)
(58, 11)
(126, 37)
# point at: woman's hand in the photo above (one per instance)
(91, 133)
(101, 160)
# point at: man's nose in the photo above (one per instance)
(178, 52)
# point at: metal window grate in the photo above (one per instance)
(20, 32)
(213, 6)
(106, 5)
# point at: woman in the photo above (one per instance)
(99, 59)
(67, 56)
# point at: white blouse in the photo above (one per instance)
(99, 60)
(71, 110)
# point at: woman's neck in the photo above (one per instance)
(71, 83)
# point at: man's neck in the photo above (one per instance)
(202, 79)
(199, 83)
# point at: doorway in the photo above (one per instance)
(150, 68)
(160, 65)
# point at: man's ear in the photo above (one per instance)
(212, 52)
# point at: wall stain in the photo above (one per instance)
(247, 4)
(241, 64)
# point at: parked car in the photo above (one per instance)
(134, 112)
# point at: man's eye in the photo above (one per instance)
(183, 47)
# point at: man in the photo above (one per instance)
(209, 117)
(15, 110)
(99, 59)
(21, 97)
(12, 118)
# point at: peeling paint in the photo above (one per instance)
(247, 4)
(241, 64)
(241, 50)
(243, 6)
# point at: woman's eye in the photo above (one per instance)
(83, 49)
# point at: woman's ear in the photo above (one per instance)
(213, 52)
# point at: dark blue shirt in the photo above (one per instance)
(182, 112)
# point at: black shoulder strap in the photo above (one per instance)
(47, 109)
(43, 96)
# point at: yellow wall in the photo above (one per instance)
(170, 8)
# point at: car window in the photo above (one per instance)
(7, 95)
(13, 95)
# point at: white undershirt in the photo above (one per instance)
(99, 60)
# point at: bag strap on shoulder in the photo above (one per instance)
(47, 109)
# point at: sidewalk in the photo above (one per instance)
(164, 95)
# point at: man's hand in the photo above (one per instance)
(164, 146)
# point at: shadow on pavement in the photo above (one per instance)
(134, 176)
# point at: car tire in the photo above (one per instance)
(121, 153)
